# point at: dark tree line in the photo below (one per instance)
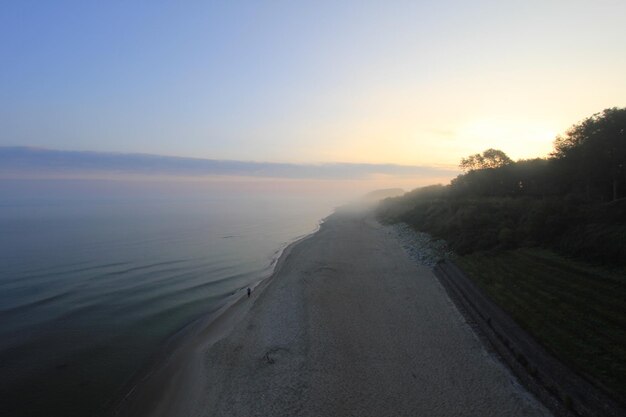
(588, 162)
(491, 158)
(572, 201)
(593, 153)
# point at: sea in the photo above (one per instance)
(92, 289)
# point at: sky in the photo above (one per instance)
(413, 83)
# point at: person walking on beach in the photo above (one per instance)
(249, 292)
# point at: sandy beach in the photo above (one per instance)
(348, 325)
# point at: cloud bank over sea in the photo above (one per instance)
(27, 162)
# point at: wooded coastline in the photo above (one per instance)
(545, 239)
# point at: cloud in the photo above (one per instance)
(29, 162)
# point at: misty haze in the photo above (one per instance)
(312, 209)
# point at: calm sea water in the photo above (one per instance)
(90, 290)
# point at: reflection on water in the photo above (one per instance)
(89, 290)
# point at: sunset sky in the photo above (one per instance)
(413, 83)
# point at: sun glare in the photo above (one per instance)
(519, 139)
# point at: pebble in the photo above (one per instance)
(421, 247)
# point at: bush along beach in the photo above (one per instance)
(545, 238)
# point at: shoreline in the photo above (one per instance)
(346, 324)
(181, 348)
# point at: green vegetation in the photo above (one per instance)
(545, 238)
(576, 311)
(572, 202)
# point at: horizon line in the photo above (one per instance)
(32, 159)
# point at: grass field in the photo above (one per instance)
(576, 311)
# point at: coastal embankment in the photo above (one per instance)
(567, 393)
(349, 324)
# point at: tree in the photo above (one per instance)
(491, 158)
(594, 152)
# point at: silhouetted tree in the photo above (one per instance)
(594, 153)
(557, 202)
(491, 158)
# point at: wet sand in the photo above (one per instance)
(349, 325)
